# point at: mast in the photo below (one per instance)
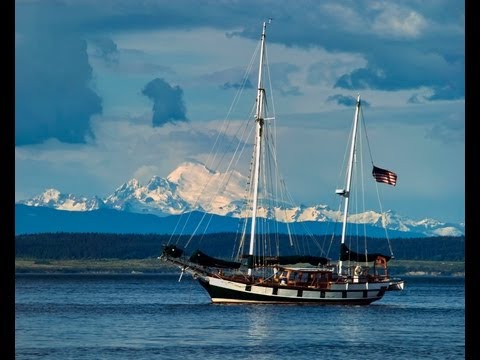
(346, 192)
(258, 148)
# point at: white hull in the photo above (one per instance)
(227, 291)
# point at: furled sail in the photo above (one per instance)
(347, 255)
(296, 259)
(172, 250)
(203, 259)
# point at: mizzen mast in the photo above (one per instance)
(346, 192)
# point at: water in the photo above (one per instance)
(141, 316)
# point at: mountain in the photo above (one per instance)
(39, 219)
(54, 199)
(181, 192)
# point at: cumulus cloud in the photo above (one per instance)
(53, 97)
(398, 21)
(168, 105)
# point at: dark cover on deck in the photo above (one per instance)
(172, 251)
(296, 259)
(347, 255)
(203, 259)
(285, 260)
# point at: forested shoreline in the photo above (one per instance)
(71, 246)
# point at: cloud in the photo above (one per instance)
(449, 130)
(415, 69)
(348, 101)
(405, 55)
(53, 97)
(105, 49)
(417, 34)
(237, 85)
(397, 21)
(168, 105)
(123, 149)
(361, 79)
(146, 172)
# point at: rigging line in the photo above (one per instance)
(362, 184)
(276, 189)
(220, 189)
(224, 128)
(242, 224)
(239, 149)
(270, 183)
(286, 197)
(224, 182)
(366, 134)
(246, 201)
(376, 187)
(236, 100)
(341, 179)
(335, 227)
(227, 175)
(267, 65)
(359, 193)
(236, 150)
(383, 221)
(203, 216)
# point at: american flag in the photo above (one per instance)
(384, 176)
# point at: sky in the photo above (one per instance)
(107, 91)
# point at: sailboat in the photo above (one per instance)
(257, 271)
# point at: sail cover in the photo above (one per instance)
(172, 250)
(296, 259)
(203, 259)
(347, 255)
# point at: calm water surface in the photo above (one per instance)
(141, 316)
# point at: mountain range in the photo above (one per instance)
(162, 200)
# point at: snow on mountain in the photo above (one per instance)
(192, 186)
(54, 199)
(198, 185)
(158, 197)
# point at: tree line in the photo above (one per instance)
(58, 246)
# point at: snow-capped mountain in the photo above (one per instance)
(158, 197)
(54, 199)
(191, 186)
